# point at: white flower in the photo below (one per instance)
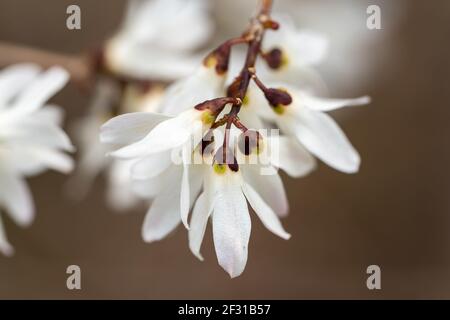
(305, 120)
(31, 140)
(92, 160)
(174, 187)
(224, 198)
(158, 38)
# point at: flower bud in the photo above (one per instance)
(219, 59)
(213, 107)
(274, 58)
(250, 142)
(278, 99)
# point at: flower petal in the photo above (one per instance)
(202, 210)
(130, 128)
(204, 84)
(31, 160)
(185, 188)
(167, 135)
(231, 229)
(150, 188)
(30, 131)
(291, 157)
(320, 134)
(50, 114)
(15, 197)
(120, 195)
(164, 214)
(324, 104)
(270, 187)
(151, 166)
(264, 212)
(307, 47)
(5, 246)
(14, 78)
(162, 217)
(40, 90)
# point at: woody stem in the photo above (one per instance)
(77, 66)
(256, 33)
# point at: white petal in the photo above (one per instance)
(167, 135)
(150, 188)
(169, 23)
(270, 187)
(299, 76)
(202, 210)
(204, 84)
(50, 114)
(15, 78)
(324, 104)
(302, 47)
(320, 134)
(164, 214)
(307, 47)
(120, 195)
(231, 229)
(143, 62)
(52, 159)
(292, 157)
(264, 212)
(5, 246)
(15, 197)
(185, 189)
(40, 90)
(151, 166)
(35, 132)
(129, 128)
(162, 218)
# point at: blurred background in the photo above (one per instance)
(395, 213)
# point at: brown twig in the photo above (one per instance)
(255, 32)
(78, 66)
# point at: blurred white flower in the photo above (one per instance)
(92, 160)
(31, 140)
(156, 44)
(204, 84)
(298, 51)
(158, 39)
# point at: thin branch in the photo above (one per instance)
(78, 66)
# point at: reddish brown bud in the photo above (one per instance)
(277, 97)
(219, 58)
(274, 58)
(216, 105)
(249, 142)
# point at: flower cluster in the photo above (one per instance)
(221, 117)
(31, 140)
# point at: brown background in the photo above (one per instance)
(395, 213)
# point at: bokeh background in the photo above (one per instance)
(395, 213)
